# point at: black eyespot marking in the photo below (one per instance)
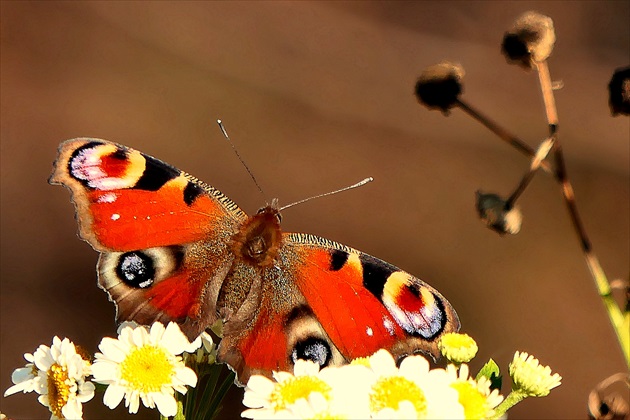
(314, 349)
(338, 260)
(375, 274)
(156, 174)
(191, 192)
(136, 269)
(72, 164)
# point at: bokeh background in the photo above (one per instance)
(317, 96)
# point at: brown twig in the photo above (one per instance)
(616, 318)
(539, 157)
(503, 134)
(560, 167)
(620, 322)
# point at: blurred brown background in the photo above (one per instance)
(317, 96)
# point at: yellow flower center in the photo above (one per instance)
(58, 390)
(147, 369)
(390, 391)
(288, 392)
(473, 401)
(361, 361)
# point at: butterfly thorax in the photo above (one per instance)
(258, 240)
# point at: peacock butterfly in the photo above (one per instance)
(175, 249)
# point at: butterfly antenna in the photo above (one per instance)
(358, 184)
(225, 134)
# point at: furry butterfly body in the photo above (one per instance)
(175, 249)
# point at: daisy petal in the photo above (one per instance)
(113, 396)
(166, 404)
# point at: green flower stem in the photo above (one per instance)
(625, 326)
(512, 399)
(619, 321)
(601, 281)
(207, 396)
(215, 408)
(180, 411)
(99, 387)
(189, 400)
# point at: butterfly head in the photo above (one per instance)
(274, 207)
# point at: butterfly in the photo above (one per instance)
(173, 248)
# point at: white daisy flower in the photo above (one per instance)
(351, 386)
(411, 391)
(268, 399)
(58, 374)
(145, 365)
(475, 396)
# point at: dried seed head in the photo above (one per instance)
(611, 407)
(530, 39)
(608, 401)
(439, 86)
(619, 92)
(493, 212)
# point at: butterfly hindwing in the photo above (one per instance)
(329, 303)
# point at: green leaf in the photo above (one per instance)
(491, 371)
(216, 406)
(210, 399)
